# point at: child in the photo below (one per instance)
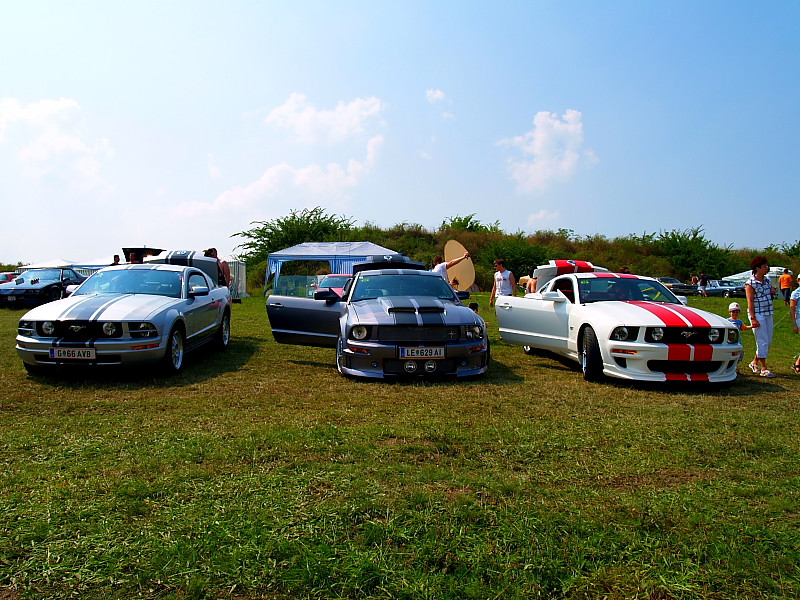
(734, 309)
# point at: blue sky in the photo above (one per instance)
(175, 124)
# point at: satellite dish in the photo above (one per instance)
(463, 272)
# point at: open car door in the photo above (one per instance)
(305, 321)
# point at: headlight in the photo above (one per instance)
(474, 332)
(623, 333)
(657, 333)
(359, 332)
(142, 330)
(733, 336)
(713, 335)
(48, 328)
(109, 329)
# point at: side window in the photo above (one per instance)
(198, 280)
(565, 287)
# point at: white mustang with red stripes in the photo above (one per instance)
(619, 325)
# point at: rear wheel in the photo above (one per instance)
(173, 357)
(53, 294)
(591, 359)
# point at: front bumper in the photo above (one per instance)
(379, 360)
(36, 351)
(671, 362)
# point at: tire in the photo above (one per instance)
(176, 349)
(222, 338)
(339, 357)
(54, 294)
(591, 359)
(727, 294)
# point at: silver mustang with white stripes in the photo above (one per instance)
(129, 314)
(393, 319)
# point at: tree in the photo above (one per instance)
(307, 225)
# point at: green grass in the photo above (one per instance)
(261, 473)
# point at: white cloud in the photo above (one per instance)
(314, 182)
(448, 116)
(435, 96)
(552, 150)
(311, 125)
(50, 145)
(543, 216)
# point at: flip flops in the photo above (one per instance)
(754, 368)
(767, 373)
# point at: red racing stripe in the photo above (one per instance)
(669, 317)
(679, 352)
(703, 352)
(698, 377)
(694, 319)
(677, 376)
(572, 266)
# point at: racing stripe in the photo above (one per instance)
(679, 352)
(407, 315)
(703, 352)
(677, 377)
(669, 317)
(429, 318)
(572, 266)
(698, 377)
(694, 319)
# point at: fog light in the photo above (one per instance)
(410, 366)
(430, 366)
(374, 365)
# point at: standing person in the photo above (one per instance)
(530, 286)
(703, 283)
(223, 269)
(504, 283)
(116, 261)
(440, 267)
(793, 299)
(734, 310)
(785, 283)
(759, 307)
(693, 279)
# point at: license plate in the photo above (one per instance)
(77, 353)
(12, 298)
(422, 352)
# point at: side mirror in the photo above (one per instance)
(70, 288)
(554, 297)
(198, 290)
(684, 300)
(462, 294)
(327, 294)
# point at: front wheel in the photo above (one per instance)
(591, 359)
(223, 336)
(727, 294)
(173, 357)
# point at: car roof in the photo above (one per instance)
(415, 272)
(148, 267)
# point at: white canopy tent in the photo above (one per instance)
(55, 263)
(774, 274)
(340, 255)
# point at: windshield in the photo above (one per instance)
(334, 281)
(377, 286)
(134, 281)
(610, 288)
(41, 275)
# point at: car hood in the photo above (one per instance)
(102, 307)
(654, 314)
(10, 287)
(405, 310)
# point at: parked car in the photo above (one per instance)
(128, 315)
(678, 287)
(6, 277)
(394, 318)
(726, 289)
(37, 286)
(336, 282)
(623, 326)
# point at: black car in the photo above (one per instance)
(37, 286)
(677, 287)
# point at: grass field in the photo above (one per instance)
(261, 473)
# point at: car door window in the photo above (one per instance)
(565, 287)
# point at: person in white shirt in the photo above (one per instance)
(504, 282)
(440, 267)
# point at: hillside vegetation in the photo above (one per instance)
(675, 253)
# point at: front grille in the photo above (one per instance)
(684, 366)
(419, 334)
(86, 330)
(686, 335)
